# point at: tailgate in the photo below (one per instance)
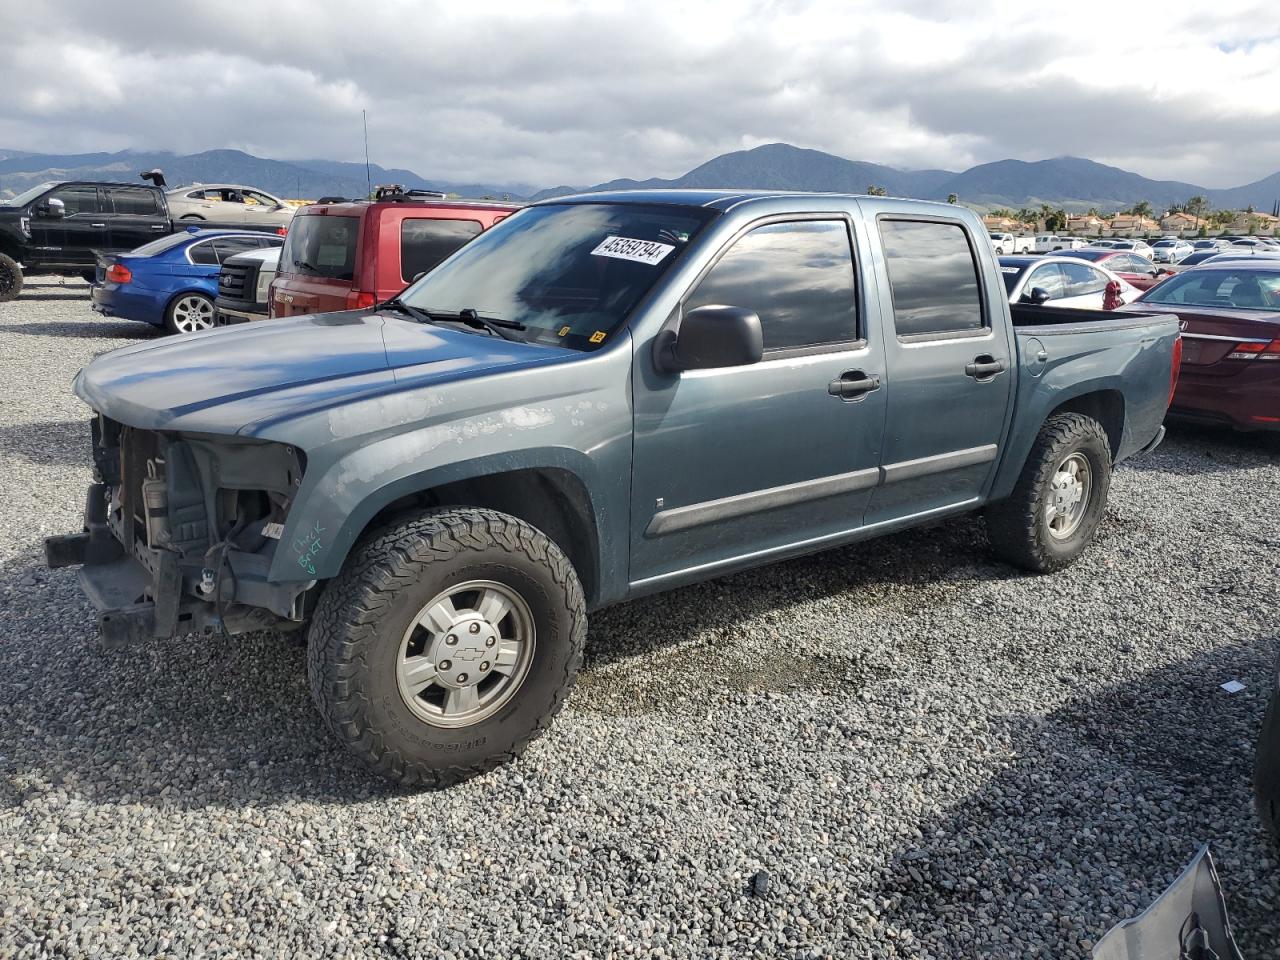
(297, 294)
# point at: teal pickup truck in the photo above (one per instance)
(601, 397)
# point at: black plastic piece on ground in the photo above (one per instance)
(66, 550)
(760, 884)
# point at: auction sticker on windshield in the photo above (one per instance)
(624, 248)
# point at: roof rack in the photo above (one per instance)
(396, 193)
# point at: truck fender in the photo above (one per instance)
(339, 506)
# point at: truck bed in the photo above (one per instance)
(1030, 315)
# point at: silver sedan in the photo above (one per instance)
(226, 203)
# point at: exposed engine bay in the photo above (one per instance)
(180, 531)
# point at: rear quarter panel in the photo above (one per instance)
(1128, 356)
(382, 260)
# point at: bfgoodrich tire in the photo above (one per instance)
(10, 278)
(447, 644)
(1058, 502)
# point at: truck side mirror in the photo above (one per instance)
(1038, 295)
(713, 336)
(52, 209)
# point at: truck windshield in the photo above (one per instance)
(26, 196)
(570, 273)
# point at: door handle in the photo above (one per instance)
(984, 368)
(853, 385)
(158, 227)
(98, 226)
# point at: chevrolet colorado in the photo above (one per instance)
(600, 397)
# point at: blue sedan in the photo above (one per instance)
(172, 281)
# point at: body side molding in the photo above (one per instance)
(742, 504)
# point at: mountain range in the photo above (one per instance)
(288, 178)
(1071, 182)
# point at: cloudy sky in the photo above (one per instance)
(549, 92)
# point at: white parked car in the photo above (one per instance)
(1140, 247)
(1170, 251)
(1050, 242)
(1008, 244)
(1061, 281)
(228, 203)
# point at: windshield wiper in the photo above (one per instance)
(496, 326)
(398, 305)
(305, 266)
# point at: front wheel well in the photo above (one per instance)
(1104, 406)
(552, 500)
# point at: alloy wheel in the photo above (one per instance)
(465, 654)
(192, 313)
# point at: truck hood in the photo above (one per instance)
(241, 379)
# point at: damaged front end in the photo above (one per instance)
(180, 531)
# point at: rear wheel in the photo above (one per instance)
(10, 278)
(447, 644)
(188, 313)
(1059, 500)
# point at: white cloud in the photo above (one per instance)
(579, 92)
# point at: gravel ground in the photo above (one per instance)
(954, 760)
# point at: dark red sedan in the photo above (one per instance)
(1230, 313)
(1132, 267)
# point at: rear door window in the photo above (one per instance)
(933, 277)
(1083, 280)
(321, 246)
(424, 244)
(203, 253)
(134, 201)
(229, 246)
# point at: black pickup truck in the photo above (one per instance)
(61, 227)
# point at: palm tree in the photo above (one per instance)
(952, 198)
(876, 191)
(1197, 206)
(1141, 209)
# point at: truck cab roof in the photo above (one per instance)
(725, 200)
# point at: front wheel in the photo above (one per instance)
(447, 644)
(1058, 502)
(189, 313)
(10, 279)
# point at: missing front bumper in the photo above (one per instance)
(136, 601)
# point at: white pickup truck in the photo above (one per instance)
(1008, 245)
(1051, 243)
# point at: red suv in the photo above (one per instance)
(354, 253)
